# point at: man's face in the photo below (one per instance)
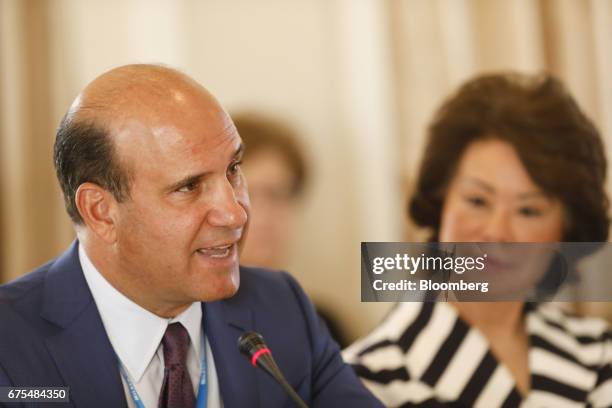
(179, 233)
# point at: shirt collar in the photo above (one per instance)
(134, 332)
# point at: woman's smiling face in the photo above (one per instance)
(492, 198)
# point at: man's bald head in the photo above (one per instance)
(133, 89)
(86, 141)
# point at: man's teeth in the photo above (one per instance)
(216, 252)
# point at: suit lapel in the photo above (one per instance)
(224, 322)
(81, 351)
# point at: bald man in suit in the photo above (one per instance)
(146, 306)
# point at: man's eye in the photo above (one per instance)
(234, 168)
(187, 188)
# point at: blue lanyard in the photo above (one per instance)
(202, 389)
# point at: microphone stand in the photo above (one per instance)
(252, 345)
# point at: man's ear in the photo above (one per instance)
(97, 208)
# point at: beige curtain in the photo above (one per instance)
(33, 227)
(359, 79)
(441, 43)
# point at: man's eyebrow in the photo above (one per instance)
(195, 178)
(239, 151)
(192, 179)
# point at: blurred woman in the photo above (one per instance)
(276, 168)
(509, 158)
(277, 174)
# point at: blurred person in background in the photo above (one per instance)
(277, 175)
(276, 168)
(509, 158)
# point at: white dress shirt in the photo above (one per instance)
(136, 334)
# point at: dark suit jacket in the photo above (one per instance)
(51, 334)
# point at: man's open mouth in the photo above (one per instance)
(220, 251)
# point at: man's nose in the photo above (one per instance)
(228, 207)
(497, 226)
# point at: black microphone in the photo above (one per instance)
(252, 345)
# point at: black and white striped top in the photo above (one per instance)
(425, 354)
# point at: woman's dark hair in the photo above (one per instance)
(558, 145)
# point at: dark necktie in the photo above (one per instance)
(177, 390)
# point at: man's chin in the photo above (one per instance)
(232, 286)
(221, 287)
